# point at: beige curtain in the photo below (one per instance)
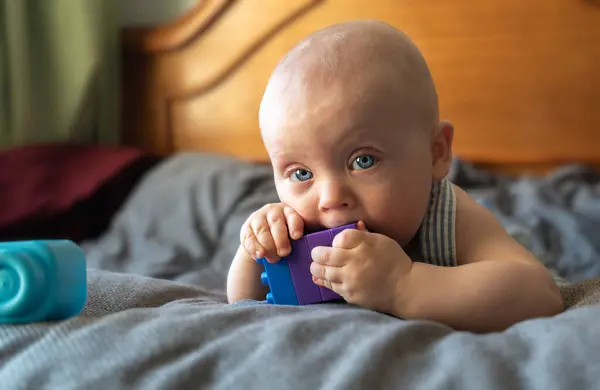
(59, 76)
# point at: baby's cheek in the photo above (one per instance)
(302, 204)
(398, 213)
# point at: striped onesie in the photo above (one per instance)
(437, 232)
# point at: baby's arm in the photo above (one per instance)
(497, 283)
(243, 279)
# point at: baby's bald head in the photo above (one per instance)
(350, 121)
(361, 59)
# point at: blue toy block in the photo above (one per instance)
(277, 276)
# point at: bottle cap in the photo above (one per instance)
(22, 284)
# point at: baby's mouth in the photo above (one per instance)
(313, 229)
(319, 228)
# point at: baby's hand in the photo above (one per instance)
(366, 269)
(266, 233)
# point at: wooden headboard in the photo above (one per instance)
(519, 79)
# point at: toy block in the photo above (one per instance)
(298, 262)
(290, 281)
(277, 276)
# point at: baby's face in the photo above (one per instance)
(339, 157)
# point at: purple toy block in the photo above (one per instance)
(291, 281)
(299, 261)
(323, 238)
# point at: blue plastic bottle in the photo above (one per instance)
(42, 280)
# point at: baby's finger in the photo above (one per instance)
(361, 226)
(279, 232)
(251, 244)
(333, 286)
(295, 224)
(349, 238)
(262, 232)
(331, 274)
(325, 255)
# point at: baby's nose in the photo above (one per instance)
(334, 196)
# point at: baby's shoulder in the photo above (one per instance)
(470, 215)
(478, 232)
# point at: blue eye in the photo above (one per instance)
(363, 162)
(301, 175)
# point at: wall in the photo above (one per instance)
(140, 13)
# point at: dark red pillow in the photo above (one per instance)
(65, 191)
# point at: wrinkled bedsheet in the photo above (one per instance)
(156, 316)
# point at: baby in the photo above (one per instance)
(350, 121)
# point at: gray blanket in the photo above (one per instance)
(157, 319)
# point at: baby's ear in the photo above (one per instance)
(441, 150)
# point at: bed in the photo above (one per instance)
(159, 216)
